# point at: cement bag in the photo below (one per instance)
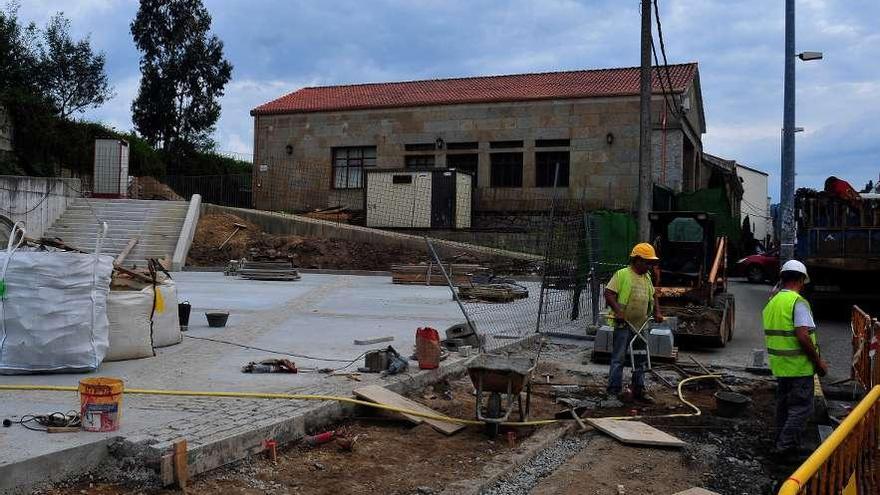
(53, 310)
(166, 323)
(131, 335)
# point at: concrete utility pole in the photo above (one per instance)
(786, 203)
(646, 182)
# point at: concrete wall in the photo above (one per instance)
(602, 174)
(756, 201)
(36, 201)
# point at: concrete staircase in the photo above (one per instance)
(158, 225)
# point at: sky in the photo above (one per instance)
(278, 46)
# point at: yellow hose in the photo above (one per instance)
(349, 400)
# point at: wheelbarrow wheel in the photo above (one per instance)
(493, 410)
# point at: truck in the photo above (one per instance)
(838, 239)
(691, 277)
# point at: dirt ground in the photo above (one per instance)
(730, 456)
(311, 252)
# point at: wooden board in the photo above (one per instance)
(430, 274)
(635, 432)
(381, 395)
(696, 491)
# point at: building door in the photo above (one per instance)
(443, 200)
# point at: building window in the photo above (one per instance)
(545, 168)
(505, 144)
(465, 162)
(552, 143)
(419, 161)
(506, 169)
(349, 164)
(420, 147)
(472, 145)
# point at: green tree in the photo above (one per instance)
(183, 74)
(71, 73)
(18, 63)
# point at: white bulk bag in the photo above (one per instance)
(166, 323)
(130, 334)
(53, 313)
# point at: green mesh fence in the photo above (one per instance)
(713, 201)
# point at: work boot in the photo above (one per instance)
(643, 397)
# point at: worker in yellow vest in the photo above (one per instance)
(631, 296)
(790, 335)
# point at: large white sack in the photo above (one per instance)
(53, 317)
(166, 322)
(128, 312)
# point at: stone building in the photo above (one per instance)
(313, 147)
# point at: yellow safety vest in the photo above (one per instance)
(624, 284)
(787, 357)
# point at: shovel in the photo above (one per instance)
(238, 227)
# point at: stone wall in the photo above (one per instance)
(294, 151)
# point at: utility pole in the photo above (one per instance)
(646, 182)
(786, 204)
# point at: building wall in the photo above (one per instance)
(756, 201)
(601, 174)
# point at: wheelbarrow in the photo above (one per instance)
(500, 380)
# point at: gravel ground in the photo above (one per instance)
(526, 477)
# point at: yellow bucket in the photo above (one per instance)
(100, 402)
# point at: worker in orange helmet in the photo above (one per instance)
(631, 297)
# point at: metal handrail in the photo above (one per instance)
(799, 479)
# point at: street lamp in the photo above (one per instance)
(786, 203)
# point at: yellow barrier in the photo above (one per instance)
(848, 461)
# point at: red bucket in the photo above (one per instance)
(428, 348)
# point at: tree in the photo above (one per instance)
(183, 74)
(71, 74)
(17, 46)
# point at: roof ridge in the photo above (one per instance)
(490, 76)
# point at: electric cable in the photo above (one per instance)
(283, 353)
(349, 400)
(663, 48)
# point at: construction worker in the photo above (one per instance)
(790, 335)
(631, 296)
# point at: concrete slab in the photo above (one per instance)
(317, 319)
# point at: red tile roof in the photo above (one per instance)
(482, 89)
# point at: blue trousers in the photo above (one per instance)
(794, 406)
(619, 353)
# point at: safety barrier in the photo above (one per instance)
(848, 461)
(865, 347)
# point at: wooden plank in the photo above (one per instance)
(181, 464)
(127, 249)
(696, 491)
(635, 432)
(381, 395)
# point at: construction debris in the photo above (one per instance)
(374, 340)
(382, 395)
(268, 270)
(270, 366)
(493, 292)
(338, 214)
(635, 432)
(431, 274)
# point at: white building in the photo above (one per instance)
(756, 201)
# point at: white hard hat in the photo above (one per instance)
(795, 266)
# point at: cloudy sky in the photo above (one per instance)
(277, 46)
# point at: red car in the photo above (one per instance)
(758, 268)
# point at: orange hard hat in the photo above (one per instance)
(645, 251)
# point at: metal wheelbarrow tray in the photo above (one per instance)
(501, 377)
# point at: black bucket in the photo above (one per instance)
(183, 310)
(217, 319)
(730, 404)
